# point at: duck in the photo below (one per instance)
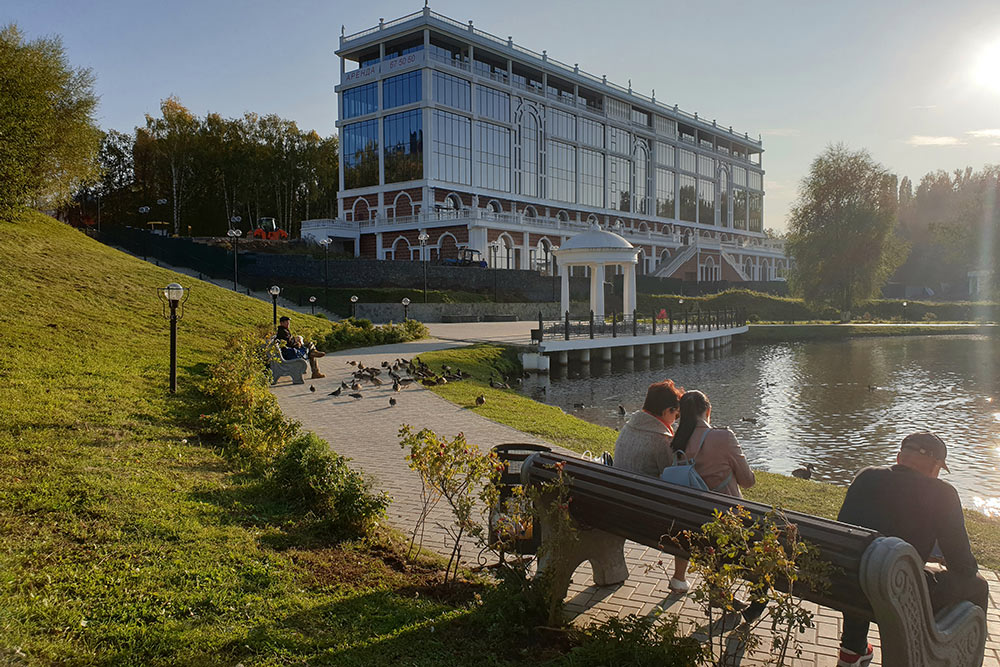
(396, 386)
(804, 473)
(356, 386)
(343, 385)
(752, 420)
(621, 411)
(481, 400)
(579, 406)
(336, 392)
(312, 389)
(392, 401)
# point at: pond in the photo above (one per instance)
(840, 405)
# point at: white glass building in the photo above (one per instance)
(478, 142)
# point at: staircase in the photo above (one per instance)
(734, 264)
(676, 261)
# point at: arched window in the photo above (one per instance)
(640, 189)
(529, 212)
(708, 270)
(748, 269)
(402, 205)
(562, 216)
(528, 151)
(592, 220)
(493, 206)
(451, 203)
(723, 207)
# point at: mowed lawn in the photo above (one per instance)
(126, 540)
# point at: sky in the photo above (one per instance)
(915, 82)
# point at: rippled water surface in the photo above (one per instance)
(812, 402)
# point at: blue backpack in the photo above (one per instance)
(682, 473)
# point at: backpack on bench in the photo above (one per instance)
(682, 473)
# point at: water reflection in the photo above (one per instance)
(839, 405)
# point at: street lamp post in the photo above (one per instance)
(354, 305)
(274, 291)
(173, 297)
(495, 247)
(423, 238)
(144, 211)
(553, 270)
(904, 311)
(235, 233)
(406, 308)
(326, 270)
(312, 304)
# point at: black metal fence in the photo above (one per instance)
(620, 324)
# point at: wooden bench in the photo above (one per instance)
(880, 578)
(281, 367)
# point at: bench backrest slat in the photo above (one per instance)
(649, 511)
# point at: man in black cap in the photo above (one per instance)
(908, 501)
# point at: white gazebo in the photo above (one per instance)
(596, 249)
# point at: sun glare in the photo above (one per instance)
(987, 68)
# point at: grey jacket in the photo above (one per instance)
(643, 445)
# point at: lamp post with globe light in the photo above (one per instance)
(406, 308)
(274, 291)
(904, 311)
(312, 304)
(495, 248)
(173, 297)
(354, 305)
(235, 233)
(423, 238)
(144, 211)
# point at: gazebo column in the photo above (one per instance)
(597, 290)
(564, 291)
(628, 288)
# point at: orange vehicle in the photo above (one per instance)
(267, 228)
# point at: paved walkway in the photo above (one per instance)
(366, 431)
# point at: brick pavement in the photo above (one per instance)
(366, 431)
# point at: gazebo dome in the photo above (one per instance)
(595, 239)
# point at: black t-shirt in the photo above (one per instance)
(283, 334)
(901, 502)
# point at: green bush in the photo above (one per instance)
(310, 473)
(352, 332)
(636, 641)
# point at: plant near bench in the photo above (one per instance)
(732, 549)
(458, 473)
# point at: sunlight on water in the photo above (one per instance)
(838, 405)
(990, 507)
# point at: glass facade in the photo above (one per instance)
(619, 180)
(493, 104)
(591, 178)
(688, 202)
(739, 209)
(591, 133)
(756, 180)
(687, 161)
(452, 91)
(724, 198)
(562, 171)
(561, 125)
(402, 89)
(706, 202)
(664, 193)
(664, 154)
(640, 187)
(403, 134)
(359, 143)
(452, 148)
(756, 211)
(360, 101)
(528, 158)
(706, 166)
(619, 141)
(493, 161)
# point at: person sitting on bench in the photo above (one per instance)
(908, 501)
(643, 446)
(284, 333)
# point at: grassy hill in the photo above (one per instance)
(122, 538)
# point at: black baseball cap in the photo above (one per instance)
(284, 318)
(928, 444)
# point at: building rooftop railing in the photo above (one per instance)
(574, 70)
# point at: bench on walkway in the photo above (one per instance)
(281, 367)
(880, 578)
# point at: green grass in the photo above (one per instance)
(552, 424)
(509, 407)
(126, 540)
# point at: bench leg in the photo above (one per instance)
(606, 553)
(892, 576)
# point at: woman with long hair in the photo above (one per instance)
(718, 459)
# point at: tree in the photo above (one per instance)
(48, 137)
(842, 231)
(174, 135)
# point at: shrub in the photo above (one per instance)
(352, 332)
(636, 641)
(321, 480)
